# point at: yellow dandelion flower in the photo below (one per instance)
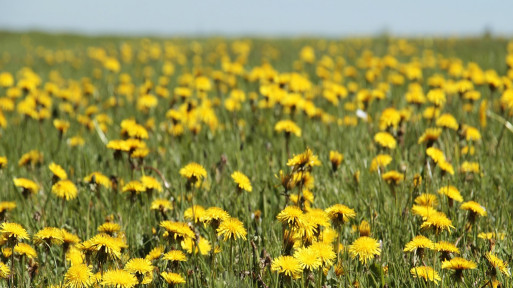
(28, 185)
(6, 206)
(5, 271)
(109, 228)
(78, 276)
(119, 279)
(336, 159)
(423, 211)
(291, 216)
(242, 181)
(419, 242)
(3, 162)
(287, 265)
(139, 266)
(325, 252)
(161, 204)
(98, 178)
(202, 246)
(193, 172)
(214, 216)
(287, 126)
(380, 162)
(474, 208)
(437, 221)
(491, 235)
(65, 189)
(175, 256)
(426, 199)
(172, 278)
(49, 235)
(451, 192)
(58, 171)
(75, 256)
(498, 264)
(430, 136)
(340, 214)
(178, 230)
(155, 253)
(426, 272)
(61, 125)
(13, 231)
(447, 247)
(436, 154)
(194, 213)
(393, 177)
(231, 228)
(308, 258)
(134, 187)
(104, 244)
(151, 183)
(469, 167)
(24, 249)
(447, 121)
(458, 264)
(304, 161)
(365, 248)
(385, 139)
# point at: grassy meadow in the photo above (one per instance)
(376, 162)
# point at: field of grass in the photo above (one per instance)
(363, 162)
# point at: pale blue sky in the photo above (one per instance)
(259, 18)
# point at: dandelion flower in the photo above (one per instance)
(65, 189)
(29, 186)
(325, 252)
(451, 192)
(175, 256)
(380, 162)
(292, 216)
(151, 183)
(438, 221)
(172, 278)
(163, 205)
(194, 213)
(498, 264)
(365, 248)
(98, 178)
(242, 181)
(141, 268)
(308, 258)
(193, 172)
(25, 249)
(393, 177)
(423, 211)
(49, 235)
(214, 216)
(78, 276)
(155, 253)
(385, 139)
(474, 208)
(430, 136)
(13, 231)
(4, 271)
(304, 161)
(231, 228)
(58, 171)
(191, 246)
(119, 279)
(178, 230)
(287, 265)
(426, 272)
(109, 228)
(287, 126)
(336, 159)
(419, 242)
(458, 264)
(447, 121)
(426, 199)
(340, 214)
